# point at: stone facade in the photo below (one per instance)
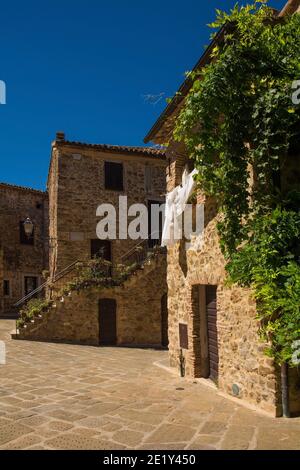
(139, 312)
(244, 370)
(76, 187)
(19, 261)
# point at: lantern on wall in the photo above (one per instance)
(28, 227)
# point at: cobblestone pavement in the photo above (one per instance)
(55, 396)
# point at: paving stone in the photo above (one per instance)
(111, 427)
(23, 442)
(127, 437)
(238, 438)
(59, 425)
(214, 427)
(34, 421)
(66, 415)
(4, 421)
(93, 422)
(171, 433)
(101, 409)
(12, 431)
(85, 432)
(204, 439)
(278, 440)
(140, 416)
(74, 442)
(173, 446)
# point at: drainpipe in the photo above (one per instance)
(285, 390)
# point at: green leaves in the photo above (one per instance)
(238, 123)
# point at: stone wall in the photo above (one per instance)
(18, 260)
(76, 320)
(76, 188)
(244, 370)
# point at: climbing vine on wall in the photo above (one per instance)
(239, 125)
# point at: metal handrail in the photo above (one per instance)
(39, 289)
(69, 268)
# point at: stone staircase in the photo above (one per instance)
(66, 312)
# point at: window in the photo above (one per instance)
(101, 249)
(30, 284)
(114, 176)
(24, 239)
(6, 288)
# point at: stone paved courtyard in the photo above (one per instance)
(55, 396)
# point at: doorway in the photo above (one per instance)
(212, 331)
(107, 322)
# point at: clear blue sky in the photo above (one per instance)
(84, 67)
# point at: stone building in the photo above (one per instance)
(22, 258)
(213, 330)
(81, 177)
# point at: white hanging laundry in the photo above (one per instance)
(185, 192)
(169, 222)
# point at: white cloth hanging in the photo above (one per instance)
(185, 192)
(176, 202)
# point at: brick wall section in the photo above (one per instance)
(242, 361)
(76, 189)
(17, 260)
(76, 320)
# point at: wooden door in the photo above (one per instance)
(107, 322)
(212, 332)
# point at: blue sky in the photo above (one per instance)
(84, 67)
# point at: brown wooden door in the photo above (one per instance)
(107, 322)
(164, 321)
(213, 350)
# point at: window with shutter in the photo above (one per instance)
(114, 176)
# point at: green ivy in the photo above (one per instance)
(31, 310)
(237, 117)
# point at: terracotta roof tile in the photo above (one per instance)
(144, 151)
